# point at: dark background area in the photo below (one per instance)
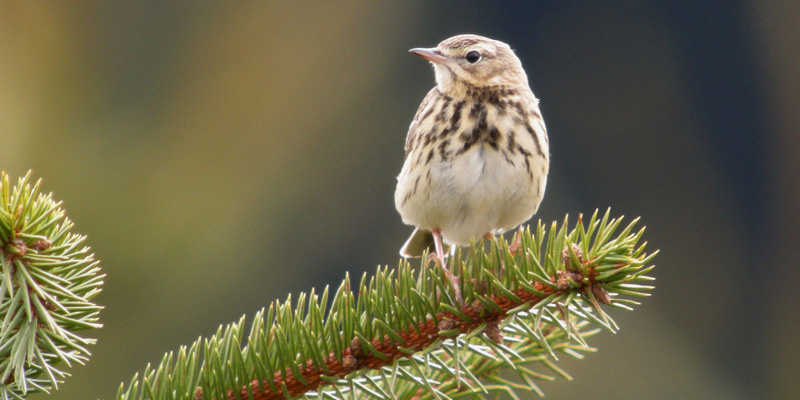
(221, 156)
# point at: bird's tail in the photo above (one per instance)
(420, 241)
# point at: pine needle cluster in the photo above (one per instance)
(47, 280)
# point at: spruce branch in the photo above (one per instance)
(48, 279)
(404, 337)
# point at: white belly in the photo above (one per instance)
(476, 193)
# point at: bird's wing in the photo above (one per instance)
(425, 109)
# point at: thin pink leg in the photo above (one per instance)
(437, 241)
(514, 247)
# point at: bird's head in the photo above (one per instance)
(465, 61)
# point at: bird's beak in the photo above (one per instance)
(433, 55)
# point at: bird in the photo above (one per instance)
(476, 153)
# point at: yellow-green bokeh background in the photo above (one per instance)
(222, 155)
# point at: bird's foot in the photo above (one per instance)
(451, 277)
(515, 248)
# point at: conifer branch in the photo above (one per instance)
(47, 281)
(404, 336)
(446, 325)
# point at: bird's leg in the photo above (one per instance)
(514, 247)
(493, 238)
(437, 241)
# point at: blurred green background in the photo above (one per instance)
(222, 155)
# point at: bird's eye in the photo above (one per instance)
(473, 57)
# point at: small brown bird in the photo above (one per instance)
(476, 155)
